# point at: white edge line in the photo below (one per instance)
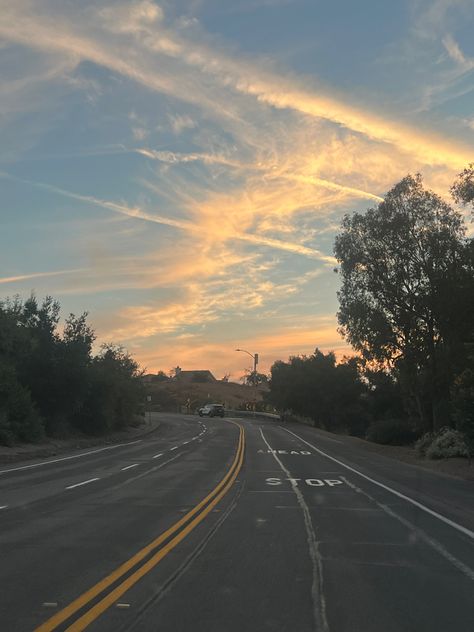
(67, 458)
(414, 502)
(439, 548)
(128, 467)
(91, 480)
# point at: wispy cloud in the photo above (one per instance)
(180, 122)
(38, 275)
(454, 51)
(237, 174)
(140, 214)
(251, 79)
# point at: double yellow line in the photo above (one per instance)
(179, 530)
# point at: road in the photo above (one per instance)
(223, 525)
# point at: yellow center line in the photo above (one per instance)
(91, 615)
(218, 492)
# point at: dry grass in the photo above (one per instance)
(230, 394)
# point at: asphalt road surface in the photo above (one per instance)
(223, 525)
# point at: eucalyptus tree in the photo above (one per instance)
(404, 299)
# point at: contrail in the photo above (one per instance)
(137, 213)
(172, 157)
(37, 275)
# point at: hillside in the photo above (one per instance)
(173, 394)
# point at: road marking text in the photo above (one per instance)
(312, 482)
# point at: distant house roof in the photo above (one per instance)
(195, 376)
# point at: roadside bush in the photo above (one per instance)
(392, 432)
(289, 416)
(447, 443)
(423, 443)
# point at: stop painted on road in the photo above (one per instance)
(311, 482)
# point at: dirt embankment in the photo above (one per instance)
(173, 394)
(54, 447)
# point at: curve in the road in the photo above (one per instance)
(129, 573)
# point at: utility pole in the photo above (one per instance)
(254, 357)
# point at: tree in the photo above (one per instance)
(403, 302)
(161, 377)
(74, 357)
(116, 391)
(19, 419)
(463, 401)
(463, 188)
(254, 378)
(317, 387)
(36, 364)
(50, 381)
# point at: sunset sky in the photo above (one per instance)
(179, 169)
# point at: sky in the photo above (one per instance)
(179, 169)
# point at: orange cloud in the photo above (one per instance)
(220, 357)
(314, 164)
(69, 36)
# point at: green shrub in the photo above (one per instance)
(289, 416)
(447, 443)
(423, 443)
(392, 432)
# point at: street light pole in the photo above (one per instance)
(254, 357)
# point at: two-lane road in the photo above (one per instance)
(235, 525)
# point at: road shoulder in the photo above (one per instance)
(453, 467)
(54, 447)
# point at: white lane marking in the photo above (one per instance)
(157, 456)
(175, 447)
(50, 604)
(91, 480)
(132, 479)
(439, 548)
(67, 458)
(317, 594)
(186, 443)
(129, 467)
(3, 506)
(414, 502)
